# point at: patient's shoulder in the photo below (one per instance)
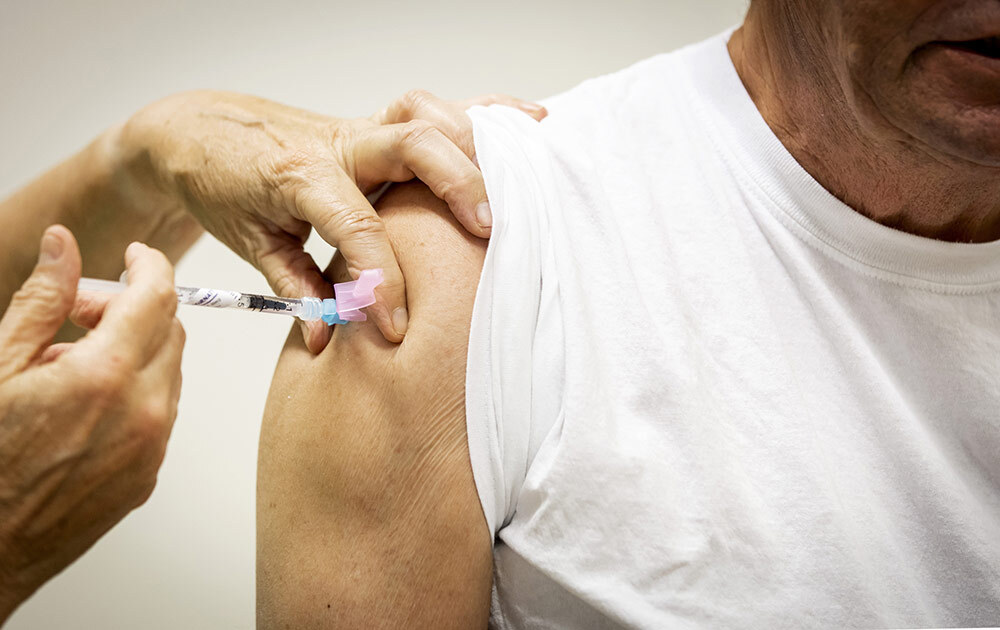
(441, 264)
(366, 499)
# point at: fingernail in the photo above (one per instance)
(533, 109)
(51, 248)
(400, 320)
(484, 215)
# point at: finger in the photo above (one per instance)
(342, 216)
(393, 152)
(404, 108)
(409, 106)
(448, 118)
(161, 377)
(292, 272)
(536, 111)
(135, 324)
(42, 303)
(53, 352)
(89, 307)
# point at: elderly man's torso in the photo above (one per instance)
(702, 391)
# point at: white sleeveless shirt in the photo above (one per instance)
(702, 391)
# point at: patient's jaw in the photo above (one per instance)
(893, 106)
(930, 68)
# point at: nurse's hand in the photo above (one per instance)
(259, 176)
(83, 426)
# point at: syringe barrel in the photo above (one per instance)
(216, 298)
(100, 286)
(213, 298)
(306, 308)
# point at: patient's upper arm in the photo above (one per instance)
(367, 513)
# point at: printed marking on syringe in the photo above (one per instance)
(208, 297)
(261, 303)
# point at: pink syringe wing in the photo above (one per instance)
(355, 295)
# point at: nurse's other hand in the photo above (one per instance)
(260, 175)
(83, 426)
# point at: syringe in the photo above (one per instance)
(345, 307)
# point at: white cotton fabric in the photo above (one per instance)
(703, 392)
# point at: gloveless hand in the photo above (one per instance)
(83, 426)
(259, 176)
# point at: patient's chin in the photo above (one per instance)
(956, 116)
(972, 138)
(946, 132)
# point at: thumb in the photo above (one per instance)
(292, 272)
(43, 302)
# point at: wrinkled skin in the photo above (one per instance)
(260, 176)
(83, 426)
(367, 512)
(885, 105)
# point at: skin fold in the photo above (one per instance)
(84, 425)
(872, 103)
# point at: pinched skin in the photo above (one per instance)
(367, 513)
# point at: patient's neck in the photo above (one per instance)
(888, 182)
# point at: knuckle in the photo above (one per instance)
(356, 223)
(107, 380)
(86, 306)
(38, 291)
(179, 333)
(149, 426)
(415, 99)
(292, 179)
(417, 132)
(282, 281)
(456, 189)
(290, 164)
(165, 298)
(289, 172)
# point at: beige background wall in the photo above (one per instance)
(70, 68)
